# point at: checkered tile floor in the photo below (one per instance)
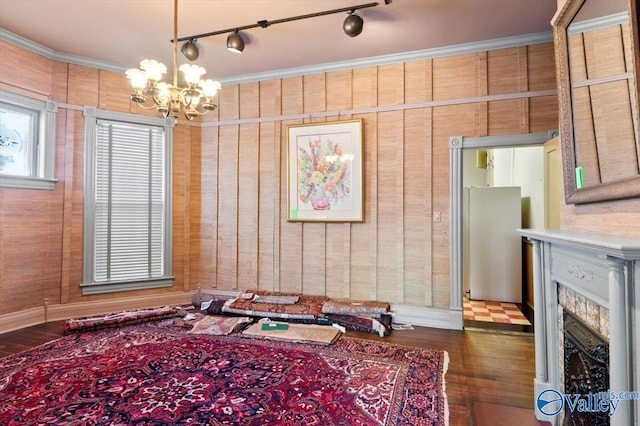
(488, 311)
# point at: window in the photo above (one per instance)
(127, 207)
(27, 142)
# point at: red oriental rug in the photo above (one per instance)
(145, 375)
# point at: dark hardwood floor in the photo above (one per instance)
(489, 380)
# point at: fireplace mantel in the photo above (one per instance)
(606, 270)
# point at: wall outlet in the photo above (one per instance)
(437, 217)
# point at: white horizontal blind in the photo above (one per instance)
(129, 202)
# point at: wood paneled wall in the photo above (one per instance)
(230, 230)
(400, 253)
(40, 230)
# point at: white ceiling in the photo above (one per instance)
(123, 32)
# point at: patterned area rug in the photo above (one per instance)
(146, 375)
(488, 311)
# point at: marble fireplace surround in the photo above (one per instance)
(606, 270)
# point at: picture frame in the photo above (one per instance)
(325, 172)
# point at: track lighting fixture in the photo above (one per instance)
(190, 50)
(353, 24)
(235, 43)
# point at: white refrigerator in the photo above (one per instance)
(492, 259)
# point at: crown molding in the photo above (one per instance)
(57, 56)
(416, 55)
(598, 23)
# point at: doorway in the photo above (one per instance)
(457, 145)
(503, 190)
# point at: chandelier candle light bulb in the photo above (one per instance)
(196, 99)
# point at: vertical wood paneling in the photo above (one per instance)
(180, 199)
(248, 207)
(503, 71)
(417, 187)
(455, 77)
(338, 236)
(390, 203)
(541, 76)
(364, 235)
(228, 169)
(390, 187)
(67, 172)
(76, 186)
(269, 189)
(543, 113)
(269, 200)
(505, 117)
(314, 234)
(482, 84)
(196, 228)
(227, 247)
(114, 91)
(290, 232)
(36, 77)
(508, 74)
(248, 183)
(523, 86)
(207, 176)
(83, 85)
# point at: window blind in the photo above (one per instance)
(129, 202)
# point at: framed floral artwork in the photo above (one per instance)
(324, 171)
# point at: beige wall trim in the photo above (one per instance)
(33, 316)
(356, 111)
(385, 108)
(424, 317)
(20, 319)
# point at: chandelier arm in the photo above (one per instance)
(143, 106)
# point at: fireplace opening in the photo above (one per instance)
(586, 369)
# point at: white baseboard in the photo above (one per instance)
(403, 314)
(425, 317)
(21, 319)
(33, 316)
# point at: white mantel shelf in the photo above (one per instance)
(606, 270)
(609, 245)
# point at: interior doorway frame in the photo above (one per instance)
(456, 145)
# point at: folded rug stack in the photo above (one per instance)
(371, 316)
(118, 319)
(367, 316)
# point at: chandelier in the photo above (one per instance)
(197, 98)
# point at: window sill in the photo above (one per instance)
(118, 286)
(27, 182)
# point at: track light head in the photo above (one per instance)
(190, 50)
(235, 43)
(353, 24)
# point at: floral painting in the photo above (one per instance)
(325, 171)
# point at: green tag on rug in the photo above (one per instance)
(275, 326)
